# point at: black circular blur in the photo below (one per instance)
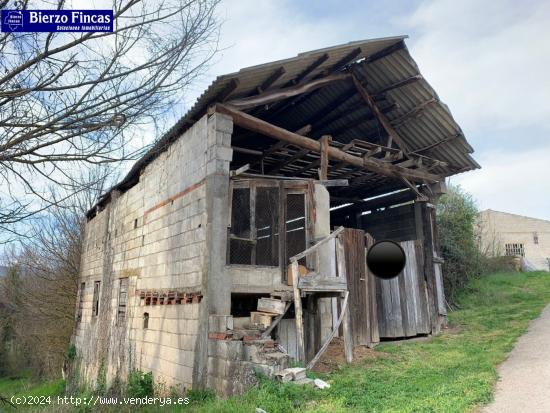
(386, 259)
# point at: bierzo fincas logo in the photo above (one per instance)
(57, 21)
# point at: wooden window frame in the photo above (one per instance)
(286, 187)
(120, 319)
(514, 249)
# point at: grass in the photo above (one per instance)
(454, 372)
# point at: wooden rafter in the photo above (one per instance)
(304, 130)
(272, 78)
(226, 91)
(400, 45)
(433, 145)
(401, 120)
(368, 117)
(419, 195)
(326, 72)
(392, 133)
(280, 94)
(260, 126)
(298, 155)
(397, 85)
(322, 59)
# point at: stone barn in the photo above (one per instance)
(238, 242)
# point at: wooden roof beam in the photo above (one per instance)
(272, 78)
(397, 85)
(357, 122)
(226, 91)
(280, 94)
(304, 130)
(298, 155)
(328, 71)
(322, 59)
(411, 113)
(247, 121)
(392, 133)
(436, 144)
(400, 45)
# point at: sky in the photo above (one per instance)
(488, 61)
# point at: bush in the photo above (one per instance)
(140, 384)
(456, 215)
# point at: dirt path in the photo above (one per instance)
(524, 378)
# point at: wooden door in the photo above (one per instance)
(402, 301)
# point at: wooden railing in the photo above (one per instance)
(327, 283)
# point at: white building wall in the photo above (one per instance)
(496, 229)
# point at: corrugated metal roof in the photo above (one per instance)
(381, 63)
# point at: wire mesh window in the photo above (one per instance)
(515, 250)
(295, 224)
(122, 299)
(254, 234)
(267, 226)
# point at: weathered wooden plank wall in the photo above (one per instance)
(354, 247)
(402, 301)
(361, 286)
(286, 335)
(372, 300)
(397, 224)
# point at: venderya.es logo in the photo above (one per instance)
(57, 20)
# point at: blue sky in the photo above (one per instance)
(489, 61)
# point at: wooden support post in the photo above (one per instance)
(298, 311)
(371, 296)
(315, 359)
(325, 142)
(345, 315)
(348, 339)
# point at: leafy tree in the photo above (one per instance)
(456, 215)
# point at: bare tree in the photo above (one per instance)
(38, 297)
(71, 100)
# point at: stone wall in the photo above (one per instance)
(159, 234)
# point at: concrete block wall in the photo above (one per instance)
(159, 235)
(496, 229)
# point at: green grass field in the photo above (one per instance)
(454, 372)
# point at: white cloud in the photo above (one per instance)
(488, 59)
(261, 31)
(510, 182)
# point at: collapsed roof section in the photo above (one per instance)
(384, 125)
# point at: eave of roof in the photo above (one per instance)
(382, 62)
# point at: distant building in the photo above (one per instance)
(502, 233)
